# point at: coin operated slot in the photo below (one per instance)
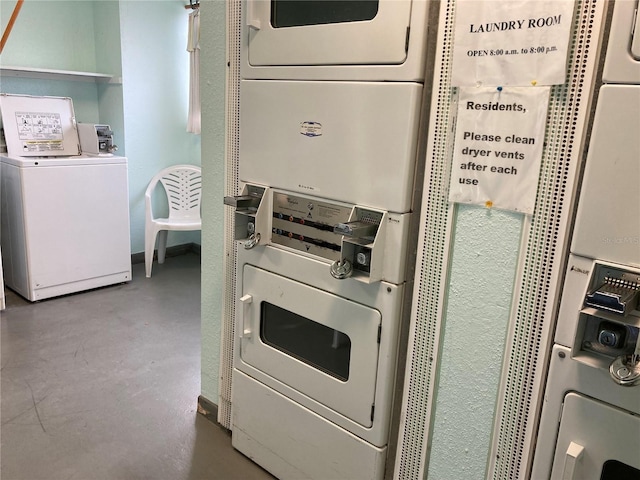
(608, 333)
(252, 215)
(613, 289)
(614, 295)
(361, 252)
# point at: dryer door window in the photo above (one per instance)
(327, 32)
(296, 13)
(313, 343)
(614, 470)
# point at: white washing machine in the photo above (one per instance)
(590, 423)
(65, 216)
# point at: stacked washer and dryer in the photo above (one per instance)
(330, 104)
(65, 214)
(590, 423)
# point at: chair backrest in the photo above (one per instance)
(183, 186)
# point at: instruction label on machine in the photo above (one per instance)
(39, 131)
(498, 147)
(517, 43)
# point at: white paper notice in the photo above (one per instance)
(515, 42)
(498, 147)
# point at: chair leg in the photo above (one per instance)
(162, 245)
(149, 247)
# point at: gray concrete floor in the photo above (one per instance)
(104, 385)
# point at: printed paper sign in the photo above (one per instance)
(515, 42)
(498, 147)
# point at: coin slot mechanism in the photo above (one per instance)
(251, 214)
(363, 243)
(609, 322)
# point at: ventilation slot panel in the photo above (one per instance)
(542, 265)
(231, 189)
(430, 280)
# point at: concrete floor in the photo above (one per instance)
(104, 385)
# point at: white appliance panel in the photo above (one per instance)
(352, 397)
(100, 191)
(348, 141)
(65, 226)
(608, 220)
(292, 442)
(567, 375)
(39, 126)
(635, 41)
(386, 45)
(379, 38)
(382, 297)
(598, 433)
(622, 63)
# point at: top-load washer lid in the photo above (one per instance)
(39, 126)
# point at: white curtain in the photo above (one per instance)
(193, 47)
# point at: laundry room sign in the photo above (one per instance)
(516, 43)
(498, 146)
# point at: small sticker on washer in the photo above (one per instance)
(311, 129)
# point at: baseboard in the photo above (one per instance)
(173, 251)
(209, 410)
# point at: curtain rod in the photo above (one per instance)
(192, 5)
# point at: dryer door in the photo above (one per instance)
(320, 32)
(596, 442)
(319, 344)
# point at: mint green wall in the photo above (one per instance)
(212, 84)
(155, 79)
(484, 258)
(50, 34)
(56, 35)
(144, 42)
(106, 21)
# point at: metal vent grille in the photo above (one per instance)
(542, 266)
(231, 188)
(430, 279)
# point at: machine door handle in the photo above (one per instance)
(253, 20)
(245, 331)
(574, 453)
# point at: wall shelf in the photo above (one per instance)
(50, 74)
